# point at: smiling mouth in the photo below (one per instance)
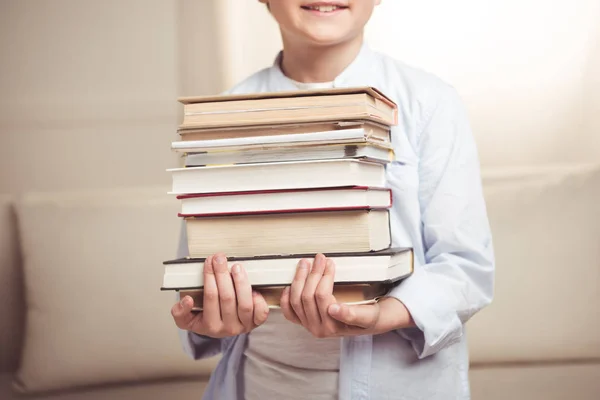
(324, 8)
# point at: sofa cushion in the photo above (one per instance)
(177, 389)
(93, 271)
(536, 382)
(11, 288)
(546, 232)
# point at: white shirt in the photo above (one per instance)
(439, 210)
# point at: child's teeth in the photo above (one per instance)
(324, 8)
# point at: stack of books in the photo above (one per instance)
(271, 178)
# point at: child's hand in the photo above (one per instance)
(310, 302)
(230, 307)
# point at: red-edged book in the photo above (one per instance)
(285, 201)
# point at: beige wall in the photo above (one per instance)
(252, 38)
(89, 89)
(528, 70)
(591, 109)
(200, 52)
(519, 65)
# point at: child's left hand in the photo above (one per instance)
(310, 302)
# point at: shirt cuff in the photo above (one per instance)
(198, 346)
(437, 322)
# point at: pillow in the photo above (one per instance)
(93, 271)
(11, 288)
(546, 233)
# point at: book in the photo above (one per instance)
(347, 294)
(373, 129)
(277, 176)
(357, 135)
(289, 233)
(331, 199)
(385, 267)
(319, 105)
(355, 151)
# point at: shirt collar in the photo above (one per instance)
(350, 76)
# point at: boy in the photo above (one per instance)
(411, 345)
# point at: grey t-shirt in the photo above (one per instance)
(284, 361)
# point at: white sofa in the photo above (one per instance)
(81, 316)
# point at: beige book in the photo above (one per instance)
(348, 294)
(372, 129)
(362, 103)
(289, 233)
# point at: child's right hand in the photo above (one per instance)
(230, 306)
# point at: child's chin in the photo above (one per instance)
(325, 38)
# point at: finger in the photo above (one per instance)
(309, 302)
(260, 308)
(296, 290)
(227, 296)
(324, 295)
(286, 307)
(211, 310)
(243, 292)
(182, 314)
(363, 316)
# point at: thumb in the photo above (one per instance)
(363, 316)
(182, 312)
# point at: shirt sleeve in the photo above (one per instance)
(194, 345)
(457, 277)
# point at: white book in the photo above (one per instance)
(356, 151)
(342, 135)
(384, 267)
(277, 176)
